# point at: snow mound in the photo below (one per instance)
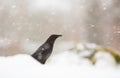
(65, 66)
(73, 63)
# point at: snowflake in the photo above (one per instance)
(13, 6)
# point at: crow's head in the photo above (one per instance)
(52, 38)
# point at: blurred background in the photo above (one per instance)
(26, 24)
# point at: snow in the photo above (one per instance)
(106, 4)
(4, 42)
(29, 46)
(54, 5)
(104, 60)
(24, 66)
(92, 25)
(66, 64)
(13, 6)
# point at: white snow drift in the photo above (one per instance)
(67, 64)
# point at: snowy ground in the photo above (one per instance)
(66, 64)
(62, 65)
(24, 66)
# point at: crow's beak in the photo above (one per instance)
(59, 35)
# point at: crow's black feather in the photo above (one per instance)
(44, 51)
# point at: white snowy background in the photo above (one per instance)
(26, 24)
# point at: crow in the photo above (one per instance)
(45, 50)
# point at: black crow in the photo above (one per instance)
(45, 50)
